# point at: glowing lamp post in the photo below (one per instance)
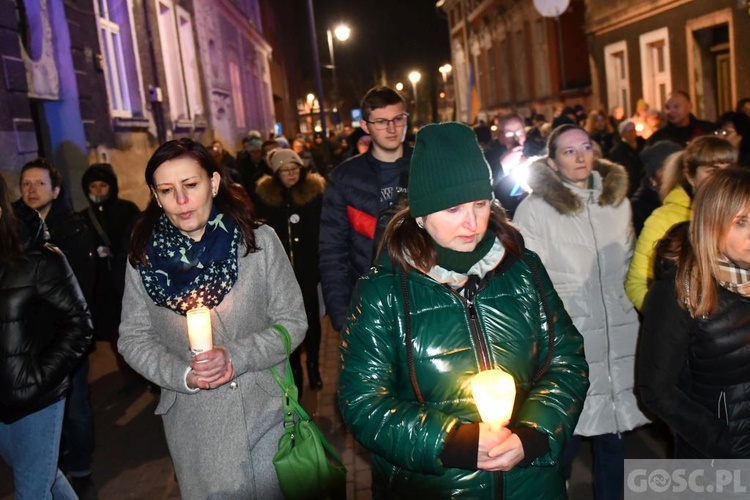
(555, 8)
(445, 70)
(399, 86)
(342, 33)
(414, 78)
(199, 330)
(494, 394)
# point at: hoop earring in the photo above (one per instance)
(419, 222)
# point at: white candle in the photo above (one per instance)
(199, 330)
(494, 394)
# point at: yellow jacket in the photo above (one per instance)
(675, 209)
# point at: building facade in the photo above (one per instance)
(645, 49)
(507, 57)
(109, 80)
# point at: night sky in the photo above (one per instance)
(388, 36)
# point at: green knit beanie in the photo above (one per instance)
(447, 169)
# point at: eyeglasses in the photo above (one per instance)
(289, 171)
(513, 133)
(382, 123)
(724, 132)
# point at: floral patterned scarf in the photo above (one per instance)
(183, 274)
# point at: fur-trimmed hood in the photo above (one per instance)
(270, 191)
(547, 184)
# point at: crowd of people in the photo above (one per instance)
(601, 261)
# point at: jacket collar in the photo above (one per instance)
(272, 193)
(33, 230)
(610, 185)
(404, 160)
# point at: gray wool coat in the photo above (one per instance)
(585, 240)
(222, 441)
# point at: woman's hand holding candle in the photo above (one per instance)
(499, 450)
(210, 369)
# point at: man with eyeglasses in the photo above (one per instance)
(361, 198)
(511, 134)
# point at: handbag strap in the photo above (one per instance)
(291, 405)
(409, 345)
(550, 321)
(98, 227)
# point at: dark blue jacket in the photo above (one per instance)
(348, 222)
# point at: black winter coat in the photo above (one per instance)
(115, 217)
(644, 201)
(294, 214)
(45, 326)
(348, 222)
(624, 155)
(682, 135)
(70, 233)
(695, 373)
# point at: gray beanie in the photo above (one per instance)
(447, 169)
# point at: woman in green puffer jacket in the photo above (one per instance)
(455, 293)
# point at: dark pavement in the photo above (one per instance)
(131, 459)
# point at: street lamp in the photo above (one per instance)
(342, 33)
(414, 78)
(316, 65)
(446, 109)
(399, 86)
(445, 70)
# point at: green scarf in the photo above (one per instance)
(461, 262)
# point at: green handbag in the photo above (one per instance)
(302, 463)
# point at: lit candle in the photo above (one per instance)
(494, 394)
(199, 330)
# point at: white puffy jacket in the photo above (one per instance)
(585, 240)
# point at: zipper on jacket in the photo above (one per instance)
(289, 234)
(722, 399)
(606, 316)
(483, 354)
(476, 330)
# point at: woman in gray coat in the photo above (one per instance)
(198, 245)
(578, 220)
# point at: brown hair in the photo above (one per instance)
(11, 250)
(55, 176)
(230, 199)
(555, 135)
(592, 118)
(410, 246)
(380, 97)
(704, 151)
(719, 200)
